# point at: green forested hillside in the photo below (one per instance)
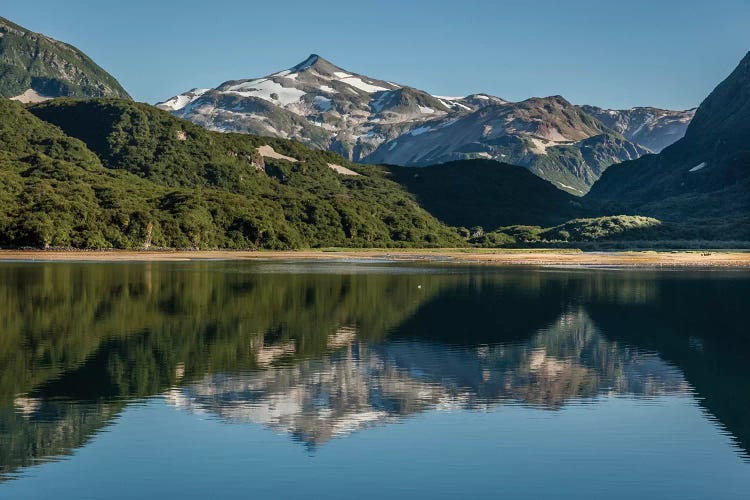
(127, 175)
(703, 180)
(109, 173)
(32, 61)
(606, 229)
(487, 193)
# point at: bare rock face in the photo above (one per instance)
(375, 121)
(651, 128)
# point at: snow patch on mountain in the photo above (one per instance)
(379, 103)
(652, 128)
(322, 103)
(378, 121)
(361, 85)
(268, 90)
(180, 101)
(647, 120)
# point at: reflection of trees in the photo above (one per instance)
(699, 326)
(103, 332)
(131, 325)
(305, 353)
(34, 430)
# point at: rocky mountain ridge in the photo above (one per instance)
(376, 121)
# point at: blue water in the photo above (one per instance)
(227, 380)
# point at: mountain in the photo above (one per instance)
(551, 137)
(704, 178)
(651, 128)
(488, 194)
(34, 67)
(106, 173)
(375, 121)
(314, 102)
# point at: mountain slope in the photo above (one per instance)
(34, 67)
(136, 176)
(651, 128)
(376, 121)
(703, 177)
(554, 139)
(488, 194)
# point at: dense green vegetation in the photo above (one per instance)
(618, 226)
(110, 173)
(126, 175)
(609, 228)
(702, 182)
(33, 61)
(116, 174)
(488, 194)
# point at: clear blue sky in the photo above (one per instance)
(616, 54)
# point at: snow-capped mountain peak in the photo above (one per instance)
(371, 120)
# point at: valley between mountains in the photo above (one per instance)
(368, 120)
(319, 156)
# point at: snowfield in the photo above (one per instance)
(268, 90)
(371, 120)
(361, 85)
(178, 102)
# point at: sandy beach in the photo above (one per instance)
(646, 259)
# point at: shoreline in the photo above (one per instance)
(498, 257)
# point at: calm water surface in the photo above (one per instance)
(371, 380)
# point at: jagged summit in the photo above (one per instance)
(317, 63)
(371, 120)
(307, 63)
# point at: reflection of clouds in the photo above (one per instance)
(357, 386)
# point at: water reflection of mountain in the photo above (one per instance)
(34, 430)
(78, 341)
(362, 385)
